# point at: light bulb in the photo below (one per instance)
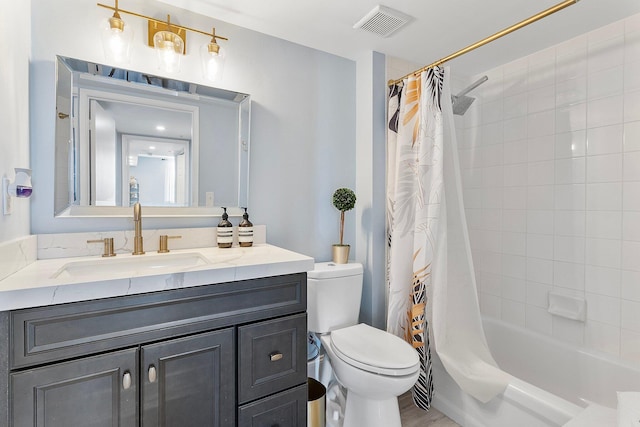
(169, 48)
(212, 62)
(116, 41)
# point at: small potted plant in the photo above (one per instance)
(344, 200)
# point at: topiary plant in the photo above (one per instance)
(344, 200)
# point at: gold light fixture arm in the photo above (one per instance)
(158, 21)
(491, 38)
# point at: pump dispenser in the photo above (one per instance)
(245, 231)
(225, 231)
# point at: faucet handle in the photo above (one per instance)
(164, 243)
(108, 246)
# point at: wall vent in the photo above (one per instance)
(383, 21)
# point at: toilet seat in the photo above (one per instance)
(374, 350)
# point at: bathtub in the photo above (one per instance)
(552, 381)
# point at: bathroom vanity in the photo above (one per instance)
(210, 352)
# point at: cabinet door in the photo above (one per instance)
(189, 381)
(286, 409)
(97, 391)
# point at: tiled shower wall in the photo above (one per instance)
(550, 157)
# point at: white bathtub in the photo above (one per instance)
(552, 381)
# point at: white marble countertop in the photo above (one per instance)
(37, 285)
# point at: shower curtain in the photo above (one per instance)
(431, 286)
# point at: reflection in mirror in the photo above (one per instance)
(123, 136)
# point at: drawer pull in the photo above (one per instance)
(126, 380)
(275, 356)
(152, 374)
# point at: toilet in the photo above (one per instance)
(373, 365)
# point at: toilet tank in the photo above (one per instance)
(334, 292)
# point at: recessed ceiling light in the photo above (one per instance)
(152, 147)
(160, 128)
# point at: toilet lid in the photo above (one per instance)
(374, 350)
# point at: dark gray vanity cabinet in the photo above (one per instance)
(217, 355)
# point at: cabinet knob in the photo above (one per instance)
(126, 380)
(153, 375)
(275, 356)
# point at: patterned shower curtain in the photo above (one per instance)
(414, 189)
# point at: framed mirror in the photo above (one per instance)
(121, 136)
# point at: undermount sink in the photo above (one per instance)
(129, 265)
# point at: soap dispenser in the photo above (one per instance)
(245, 230)
(225, 231)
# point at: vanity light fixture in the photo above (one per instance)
(168, 39)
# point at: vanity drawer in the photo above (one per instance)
(272, 356)
(286, 409)
(47, 334)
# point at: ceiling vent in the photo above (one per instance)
(383, 21)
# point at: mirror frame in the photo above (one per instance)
(66, 199)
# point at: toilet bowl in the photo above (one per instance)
(373, 365)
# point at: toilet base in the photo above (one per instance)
(367, 412)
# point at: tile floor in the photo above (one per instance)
(412, 416)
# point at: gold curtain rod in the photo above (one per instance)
(489, 39)
(117, 9)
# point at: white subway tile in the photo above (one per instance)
(540, 197)
(603, 280)
(603, 252)
(605, 54)
(569, 249)
(630, 345)
(604, 197)
(514, 220)
(631, 25)
(630, 285)
(570, 197)
(490, 283)
(569, 275)
(630, 255)
(492, 155)
(631, 315)
(540, 222)
(515, 152)
(603, 309)
(515, 105)
(515, 83)
(515, 129)
(472, 198)
(607, 82)
(540, 270)
(539, 246)
(492, 198)
(632, 136)
(605, 111)
(632, 106)
(514, 266)
(605, 140)
(571, 144)
(538, 294)
(515, 175)
(541, 148)
(571, 118)
(631, 166)
(492, 219)
(541, 99)
(570, 171)
(540, 124)
(605, 168)
(604, 224)
(631, 226)
(614, 30)
(513, 312)
(514, 198)
(513, 289)
(492, 111)
(492, 133)
(569, 223)
(514, 243)
(571, 66)
(631, 196)
(632, 75)
(492, 176)
(571, 91)
(541, 173)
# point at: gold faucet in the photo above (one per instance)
(138, 247)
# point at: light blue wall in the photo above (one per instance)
(303, 121)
